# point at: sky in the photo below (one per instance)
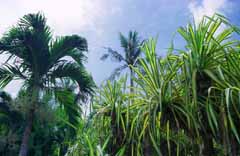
(100, 22)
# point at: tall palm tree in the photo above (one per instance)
(41, 62)
(131, 51)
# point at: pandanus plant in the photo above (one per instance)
(112, 107)
(159, 102)
(224, 97)
(41, 62)
(206, 44)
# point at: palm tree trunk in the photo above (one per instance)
(223, 130)
(234, 147)
(27, 132)
(26, 135)
(208, 149)
(131, 80)
(203, 83)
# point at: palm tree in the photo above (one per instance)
(132, 50)
(41, 62)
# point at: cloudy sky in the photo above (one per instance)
(100, 21)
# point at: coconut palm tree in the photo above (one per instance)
(131, 51)
(41, 62)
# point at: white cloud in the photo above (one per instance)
(206, 7)
(64, 16)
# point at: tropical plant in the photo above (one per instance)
(159, 98)
(224, 98)
(206, 47)
(41, 63)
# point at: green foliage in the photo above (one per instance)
(185, 103)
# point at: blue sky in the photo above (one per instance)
(100, 21)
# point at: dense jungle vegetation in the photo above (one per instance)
(183, 103)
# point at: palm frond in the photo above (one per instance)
(6, 76)
(117, 72)
(124, 42)
(76, 73)
(114, 55)
(66, 99)
(73, 46)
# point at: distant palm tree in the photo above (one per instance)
(40, 61)
(131, 51)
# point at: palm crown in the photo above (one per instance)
(131, 46)
(38, 58)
